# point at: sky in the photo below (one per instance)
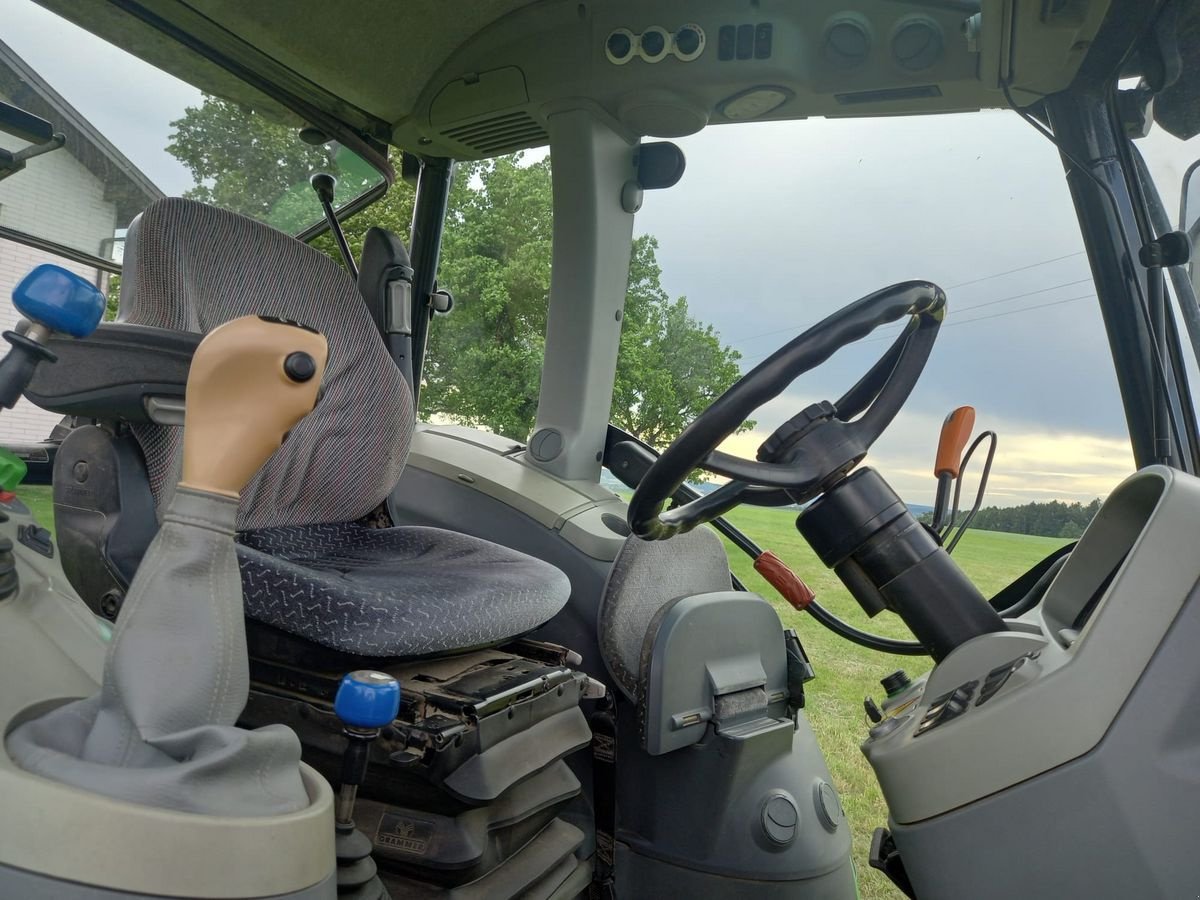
(775, 226)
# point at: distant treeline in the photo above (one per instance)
(1053, 519)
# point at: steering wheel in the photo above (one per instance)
(813, 450)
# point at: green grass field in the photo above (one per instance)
(845, 672)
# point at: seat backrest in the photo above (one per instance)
(191, 267)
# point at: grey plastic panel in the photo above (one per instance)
(1057, 707)
(588, 278)
(16, 883)
(707, 646)
(1117, 823)
(702, 809)
(499, 468)
(641, 876)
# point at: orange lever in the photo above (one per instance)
(956, 431)
(783, 579)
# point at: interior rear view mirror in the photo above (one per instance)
(1189, 218)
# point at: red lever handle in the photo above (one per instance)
(783, 579)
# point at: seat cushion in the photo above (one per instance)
(404, 591)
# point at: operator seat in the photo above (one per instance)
(309, 567)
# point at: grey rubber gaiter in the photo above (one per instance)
(161, 731)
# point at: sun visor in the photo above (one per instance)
(148, 35)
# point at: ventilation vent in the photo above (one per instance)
(499, 134)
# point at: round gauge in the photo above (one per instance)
(654, 43)
(688, 42)
(847, 43)
(917, 44)
(619, 46)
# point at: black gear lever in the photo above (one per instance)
(366, 702)
(324, 184)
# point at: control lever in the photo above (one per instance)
(366, 702)
(324, 184)
(956, 431)
(51, 299)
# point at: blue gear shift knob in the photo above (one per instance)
(59, 300)
(367, 699)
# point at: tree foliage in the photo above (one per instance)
(484, 361)
(242, 161)
(1049, 519)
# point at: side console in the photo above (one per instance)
(1061, 758)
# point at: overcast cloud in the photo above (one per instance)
(775, 226)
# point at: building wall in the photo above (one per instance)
(56, 197)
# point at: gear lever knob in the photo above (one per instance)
(366, 701)
(252, 379)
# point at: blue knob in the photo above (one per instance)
(60, 300)
(367, 699)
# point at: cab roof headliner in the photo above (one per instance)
(477, 79)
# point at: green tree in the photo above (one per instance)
(484, 361)
(241, 160)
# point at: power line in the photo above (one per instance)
(1009, 312)
(957, 309)
(1044, 262)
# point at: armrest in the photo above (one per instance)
(114, 371)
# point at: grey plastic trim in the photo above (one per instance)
(502, 469)
(1059, 706)
(31, 886)
(399, 308)
(593, 237)
(708, 646)
(165, 410)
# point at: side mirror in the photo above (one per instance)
(1189, 219)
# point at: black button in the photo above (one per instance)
(619, 45)
(745, 41)
(726, 39)
(762, 41)
(299, 366)
(896, 682)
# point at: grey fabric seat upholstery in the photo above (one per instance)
(646, 580)
(408, 591)
(306, 568)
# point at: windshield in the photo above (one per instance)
(134, 133)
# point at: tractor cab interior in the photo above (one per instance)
(269, 576)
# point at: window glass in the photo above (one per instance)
(134, 133)
(775, 226)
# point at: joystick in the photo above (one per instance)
(366, 701)
(51, 299)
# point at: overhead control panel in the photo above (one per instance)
(672, 69)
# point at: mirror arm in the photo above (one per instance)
(11, 163)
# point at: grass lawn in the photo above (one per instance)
(40, 501)
(845, 672)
